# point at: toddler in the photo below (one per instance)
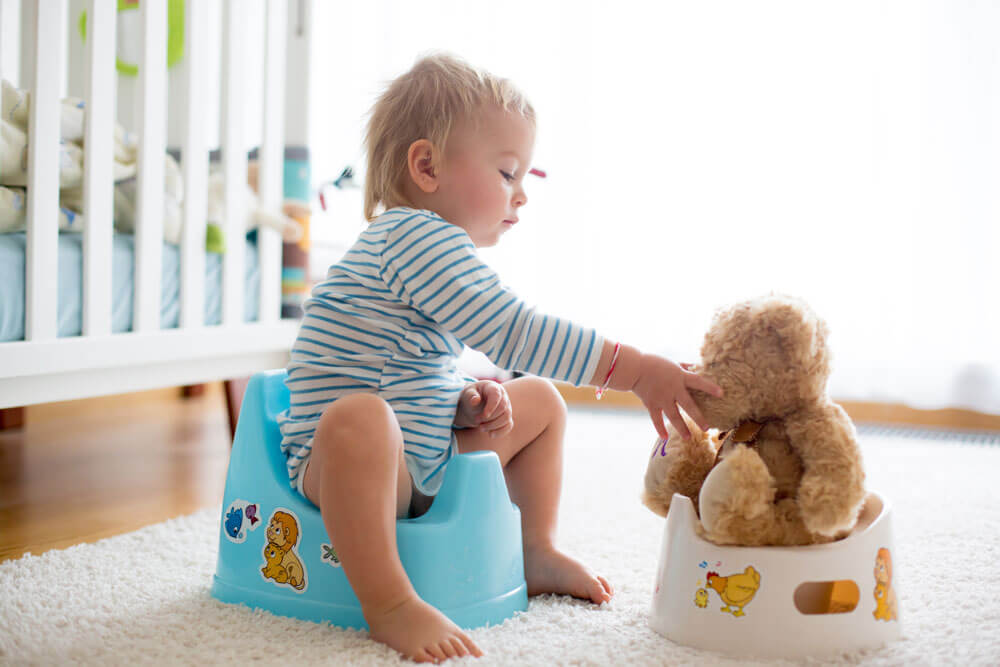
(378, 405)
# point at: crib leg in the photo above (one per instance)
(234, 390)
(11, 418)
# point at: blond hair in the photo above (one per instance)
(425, 103)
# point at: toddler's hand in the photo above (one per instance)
(485, 405)
(663, 386)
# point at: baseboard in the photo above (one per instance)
(883, 413)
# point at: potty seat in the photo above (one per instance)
(464, 556)
(777, 602)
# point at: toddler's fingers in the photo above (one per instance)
(702, 384)
(657, 416)
(694, 413)
(675, 418)
(494, 397)
(497, 423)
(470, 395)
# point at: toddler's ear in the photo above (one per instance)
(421, 162)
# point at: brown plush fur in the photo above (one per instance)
(803, 480)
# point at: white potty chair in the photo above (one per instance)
(777, 602)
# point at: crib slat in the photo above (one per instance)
(194, 158)
(10, 40)
(272, 158)
(98, 183)
(41, 271)
(234, 161)
(152, 128)
(29, 42)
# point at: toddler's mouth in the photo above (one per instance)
(510, 222)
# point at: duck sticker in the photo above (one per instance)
(735, 590)
(239, 518)
(281, 562)
(885, 596)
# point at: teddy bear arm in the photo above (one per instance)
(832, 489)
(677, 466)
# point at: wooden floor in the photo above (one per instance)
(81, 471)
(84, 470)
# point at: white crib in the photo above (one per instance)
(44, 367)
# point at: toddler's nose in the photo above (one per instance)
(520, 198)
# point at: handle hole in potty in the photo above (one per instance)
(827, 597)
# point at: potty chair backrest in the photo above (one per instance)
(258, 437)
(464, 556)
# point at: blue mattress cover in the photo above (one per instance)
(70, 309)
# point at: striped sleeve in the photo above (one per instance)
(432, 266)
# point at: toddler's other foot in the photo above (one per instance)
(547, 570)
(421, 632)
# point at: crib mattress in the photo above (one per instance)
(70, 309)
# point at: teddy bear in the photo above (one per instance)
(780, 463)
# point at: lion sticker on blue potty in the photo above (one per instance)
(240, 517)
(281, 562)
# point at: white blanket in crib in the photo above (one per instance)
(14, 141)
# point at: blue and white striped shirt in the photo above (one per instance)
(391, 319)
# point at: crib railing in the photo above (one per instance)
(44, 367)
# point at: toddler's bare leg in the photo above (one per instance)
(531, 455)
(358, 479)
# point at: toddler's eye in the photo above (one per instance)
(506, 176)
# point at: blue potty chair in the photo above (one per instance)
(463, 556)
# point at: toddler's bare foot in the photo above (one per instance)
(421, 632)
(547, 570)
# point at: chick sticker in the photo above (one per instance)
(701, 598)
(735, 590)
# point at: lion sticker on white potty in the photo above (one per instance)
(885, 596)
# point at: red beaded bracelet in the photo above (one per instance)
(599, 392)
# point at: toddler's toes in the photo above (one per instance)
(424, 656)
(608, 588)
(459, 647)
(437, 654)
(598, 591)
(447, 648)
(472, 646)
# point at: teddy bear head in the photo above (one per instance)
(770, 357)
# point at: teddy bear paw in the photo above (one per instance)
(738, 488)
(827, 509)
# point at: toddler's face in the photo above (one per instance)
(481, 183)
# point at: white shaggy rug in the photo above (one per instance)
(144, 597)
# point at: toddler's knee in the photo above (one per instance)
(547, 396)
(359, 423)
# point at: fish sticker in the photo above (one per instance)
(234, 523)
(238, 518)
(252, 514)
